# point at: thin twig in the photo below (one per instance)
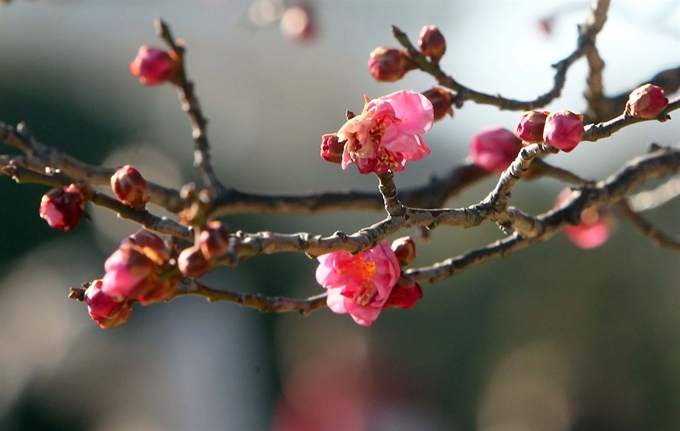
(266, 304)
(647, 229)
(656, 198)
(587, 34)
(191, 105)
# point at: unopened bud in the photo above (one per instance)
(405, 294)
(154, 66)
(105, 310)
(404, 249)
(432, 43)
(441, 100)
(563, 130)
(214, 239)
(64, 207)
(332, 148)
(130, 187)
(530, 126)
(647, 101)
(389, 64)
(163, 291)
(494, 149)
(191, 262)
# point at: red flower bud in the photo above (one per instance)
(441, 100)
(432, 43)
(494, 149)
(214, 240)
(297, 24)
(63, 208)
(154, 66)
(130, 187)
(332, 148)
(389, 64)
(106, 311)
(646, 102)
(405, 294)
(530, 126)
(563, 130)
(163, 291)
(192, 262)
(405, 250)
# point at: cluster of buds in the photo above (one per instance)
(155, 66)
(63, 207)
(364, 284)
(212, 241)
(647, 101)
(130, 187)
(563, 130)
(494, 149)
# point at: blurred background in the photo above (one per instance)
(549, 338)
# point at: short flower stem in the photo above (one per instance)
(388, 190)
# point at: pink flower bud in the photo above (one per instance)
(432, 43)
(404, 249)
(647, 101)
(405, 294)
(530, 126)
(63, 208)
(494, 149)
(332, 148)
(389, 64)
(191, 262)
(154, 66)
(151, 245)
(563, 130)
(214, 239)
(593, 230)
(106, 311)
(441, 102)
(297, 24)
(129, 273)
(130, 187)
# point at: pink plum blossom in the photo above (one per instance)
(63, 208)
(154, 66)
(386, 136)
(359, 284)
(494, 149)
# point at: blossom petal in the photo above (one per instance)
(413, 109)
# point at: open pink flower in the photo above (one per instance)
(386, 136)
(359, 284)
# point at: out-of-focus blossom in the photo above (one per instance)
(105, 310)
(494, 149)
(530, 126)
(563, 130)
(298, 24)
(646, 101)
(192, 262)
(154, 66)
(593, 230)
(432, 43)
(386, 136)
(63, 208)
(359, 284)
(130, 187)
(389, 64)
